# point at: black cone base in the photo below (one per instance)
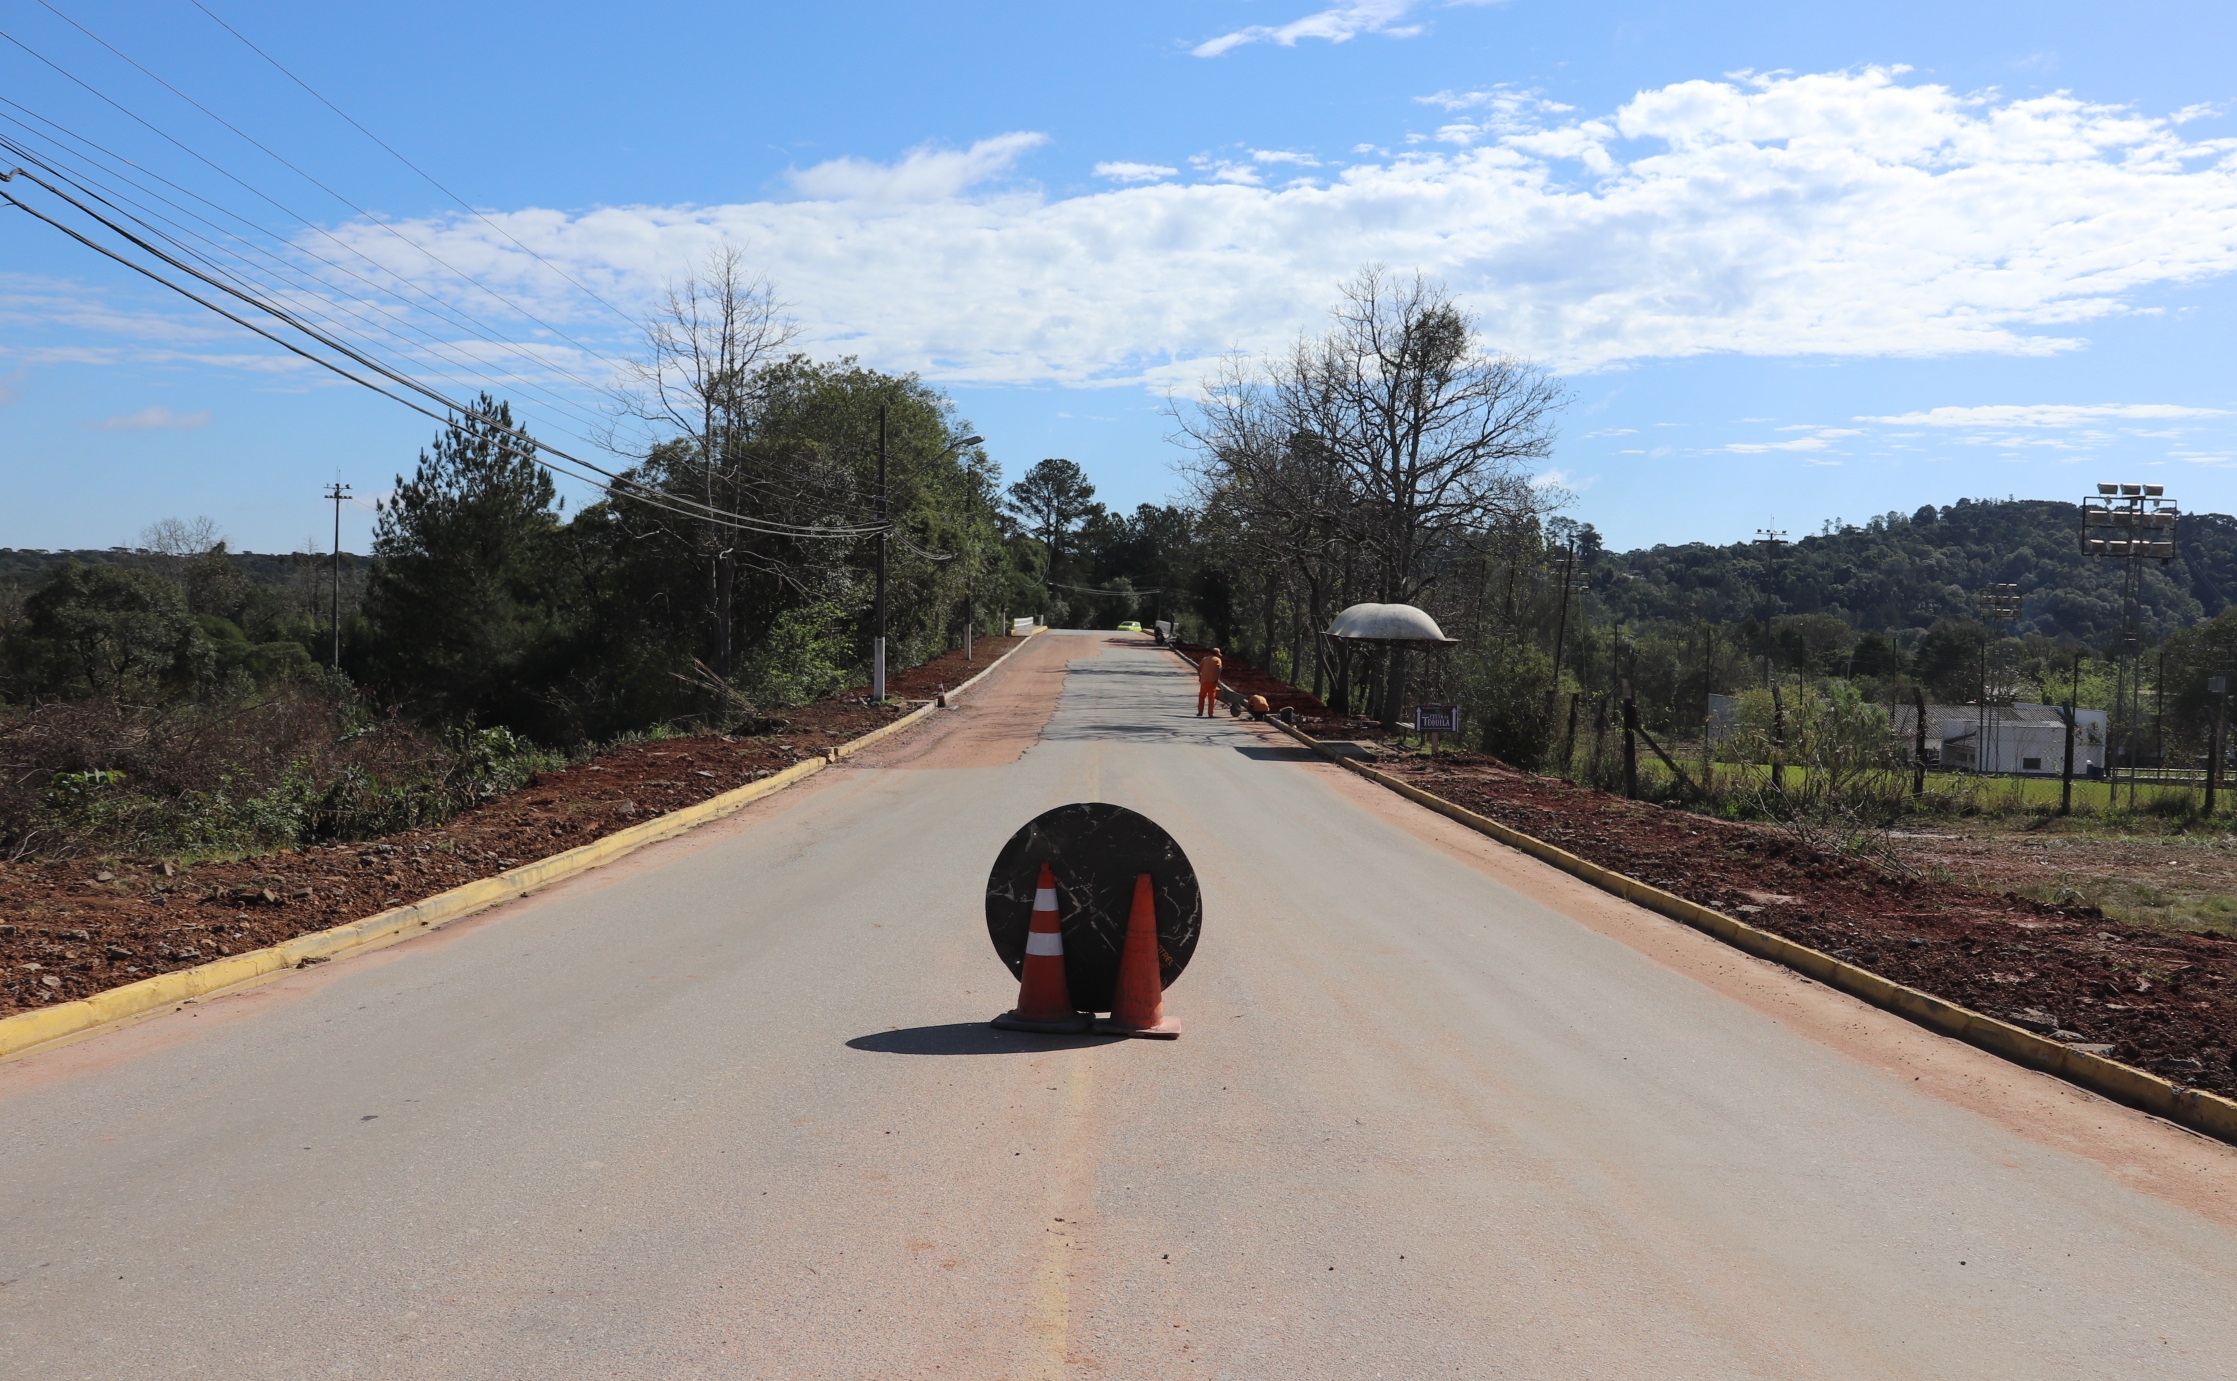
(1047, 1026)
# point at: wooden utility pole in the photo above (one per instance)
(885, 520)
(1561, 623)
(337, 491)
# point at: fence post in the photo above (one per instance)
(1918, 744)
(2066, 774)
(1630, 745)
(1778, 740)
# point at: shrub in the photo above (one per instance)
(296, 765)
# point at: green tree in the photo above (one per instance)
(2193, 658)
(1949, 660)
(465, 609)
(1050, 501)
(106, 630)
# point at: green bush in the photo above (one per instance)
(807, 654)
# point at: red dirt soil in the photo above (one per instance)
(2164, 1001)
(2160, 1000)
(71, 928)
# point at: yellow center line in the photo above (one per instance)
(1052, 1319)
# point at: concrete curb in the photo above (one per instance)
(2195, 1109)
(27, 1031)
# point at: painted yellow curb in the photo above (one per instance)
(2193, 1108)
(28, 1030)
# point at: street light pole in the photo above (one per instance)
(2218, 687)
(970, 554)
(2131, 523)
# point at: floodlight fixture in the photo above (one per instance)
(2000, 603)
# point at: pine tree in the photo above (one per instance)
(465, 602)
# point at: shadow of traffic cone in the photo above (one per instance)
(1139, 1007)
(1044, 998)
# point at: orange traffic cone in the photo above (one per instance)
(1139, 1007)
(1044, 998)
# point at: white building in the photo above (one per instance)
(2021, 739)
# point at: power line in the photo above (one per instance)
(426, 176)
(390, 322)
(611, 481)
(251, 281)
(276, 157)
(463, 319)
(236, 263)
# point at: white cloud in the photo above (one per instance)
(1240, 174)
(925, 173)
(1338, 24)
(1522, 116)
(2054, 415)
(152, 419)
(1800, 443)
(1612, 431)
(1134, 172)
(1302, 160)
(1837, 214)
(1818, 439)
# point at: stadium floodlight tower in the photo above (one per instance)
(2131, 524)
(2000, 608)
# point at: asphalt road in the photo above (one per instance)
(729, 1109)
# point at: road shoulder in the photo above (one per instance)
(2144, 1152)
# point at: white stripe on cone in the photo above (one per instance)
(1052, 944)
(1045, 899)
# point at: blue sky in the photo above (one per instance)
(1793, 265)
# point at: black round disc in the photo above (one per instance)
(1096, 851)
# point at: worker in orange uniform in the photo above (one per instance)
(1207, 683)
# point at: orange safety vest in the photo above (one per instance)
(1207, 672)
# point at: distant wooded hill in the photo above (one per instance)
(1897, 574)
(30, 568)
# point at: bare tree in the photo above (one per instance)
(713, 330)
(1375, 452)
(179, 538)
(1430, 431)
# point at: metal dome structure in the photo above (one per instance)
(1388, 623)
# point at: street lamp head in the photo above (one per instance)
(969, 441)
